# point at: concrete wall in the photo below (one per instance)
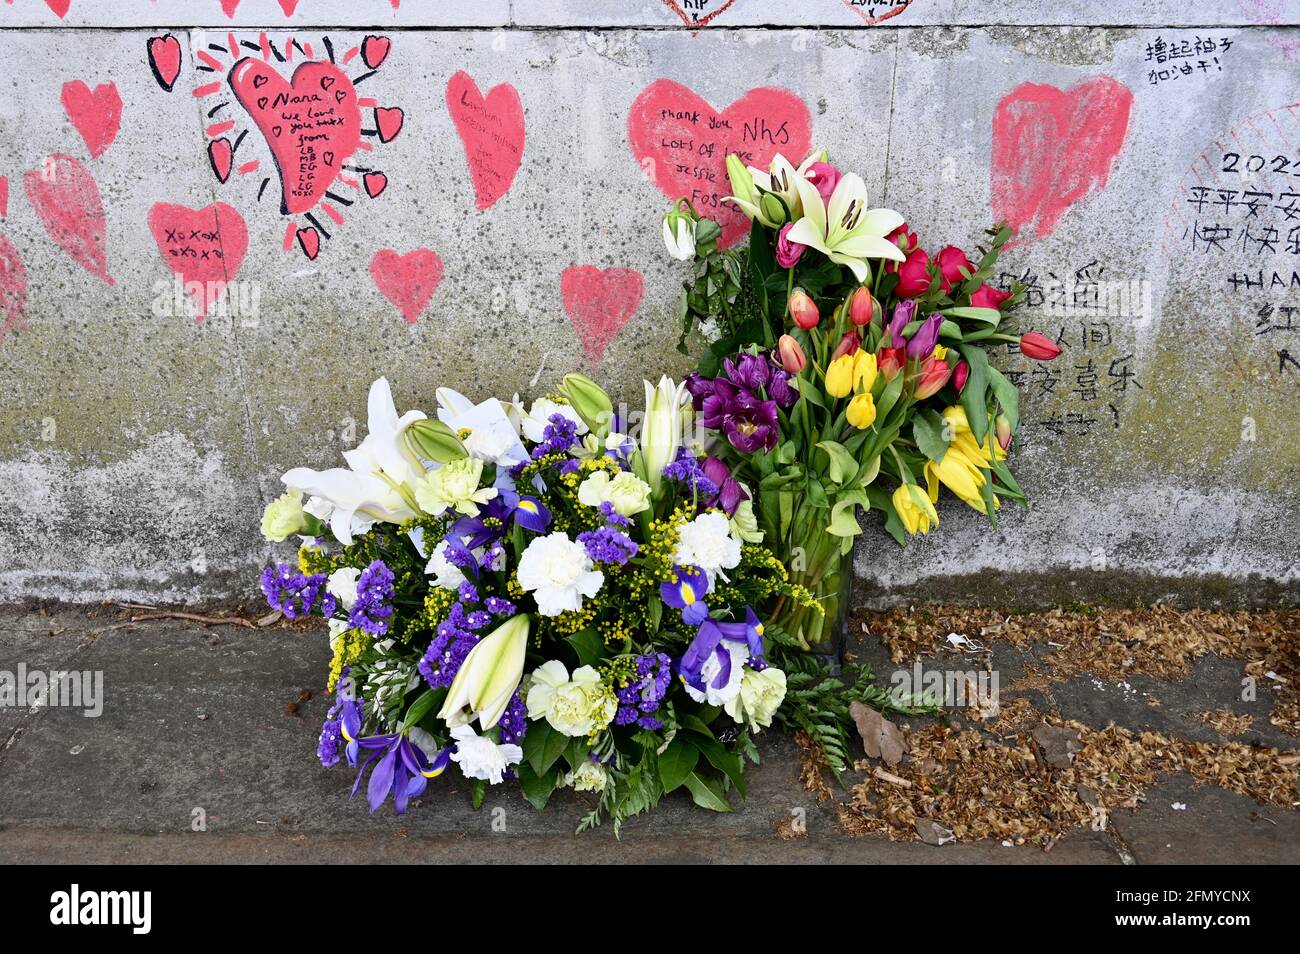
(1158, 199)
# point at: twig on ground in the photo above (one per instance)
(197, 618)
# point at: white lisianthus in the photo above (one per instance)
(283, 516)
(707, 542)
(337, 627)
(446, 574)
(761, 694)
(709, 672)
(588, 777)
(626, 491)
(539, 416)
(453, 486)
(744, 525)
(576, 706)
(558, 572)
(342, 585)
(480, 757)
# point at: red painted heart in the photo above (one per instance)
(388, 120)
(228, 7)
(375, 183)
(13, 288)
(221, 155)
(877, 11)
(60, 7)
(96, 114)
(1054, 149)
(312, 124)
(309, 242)
(4, 196)
(682, 143)
(492, 132)
(701, 18)
(599, 303)
(408, 281)
(165, 59)
(205, 247)
(374, 50)
(66, 200)
(288, 6)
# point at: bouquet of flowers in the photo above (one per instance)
(847, 371)
(550, 595)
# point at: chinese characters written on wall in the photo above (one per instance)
(1088, 315)
(1183, 58)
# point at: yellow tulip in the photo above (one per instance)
(862, 411)
(864, 370)
(959, 474)
(915, 509)
(839, 376)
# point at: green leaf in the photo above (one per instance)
(576, 753)
(543, 745)
(889, 396)
(974, 396)
(695, 724)
(842, 463)
(707, 793)
(422, 707)
(537, 788)
(589, 647)
(676, 764)
(1007, 396)
(724, 761)
(990, 316)
(928, 429)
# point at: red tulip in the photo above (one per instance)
(889, 361)
(862, 307)
(1003, 427)
(792, 357)
(1038, 347)
(959, 375)
(803, 310)
(848, 344)
(933, 376)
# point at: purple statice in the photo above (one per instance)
(612, 517)
(347, 706)
(686, 470)
(514, 721)
(499, 607)
(639, 698)
(443, 658)
(467, 592)
(373, 606)
(608, 545)
(558, 436)
(296, 594)
(571, 466)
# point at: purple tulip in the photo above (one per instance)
(926, 337)
(750, 371)
(751, 425)
(717, 405)
(904, 312)
(779, 389)
(699, 386)
(730, 493)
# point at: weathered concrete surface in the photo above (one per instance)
(137, 447)
(194, 720)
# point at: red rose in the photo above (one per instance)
(986, 296)
(951, 260)
(914, 275)
(904, 238)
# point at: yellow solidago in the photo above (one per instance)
(348, 648)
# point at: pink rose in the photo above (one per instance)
(825, 178)
(788, 253)
(989, 297)
(914, 275)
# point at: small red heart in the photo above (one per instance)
(682, 143)
(13, 288)
(375, 183)
(491, 129)
(1053, 149)
(165, 59)
(221, 156)
(205, 247)
(309, 242)
(408, 281)
(96, 115)
(228, 7)
(388, 120)
(374, 50)
(60, 7)
(288, 6)
(599, 302)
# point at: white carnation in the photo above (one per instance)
(558, 572)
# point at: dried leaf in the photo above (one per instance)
(880, 738)
(1059, 744)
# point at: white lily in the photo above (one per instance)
(846, 231)
(488, 677)
(376, 485)
(662, 427)
(493, 435)
(781, 180)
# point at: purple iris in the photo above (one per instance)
(751, 425)
(686, 592)
(494, 517)
(347, 710)
(709, 642)
(404, 768)
(904, 312)
(925, 338)
(729, 492)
